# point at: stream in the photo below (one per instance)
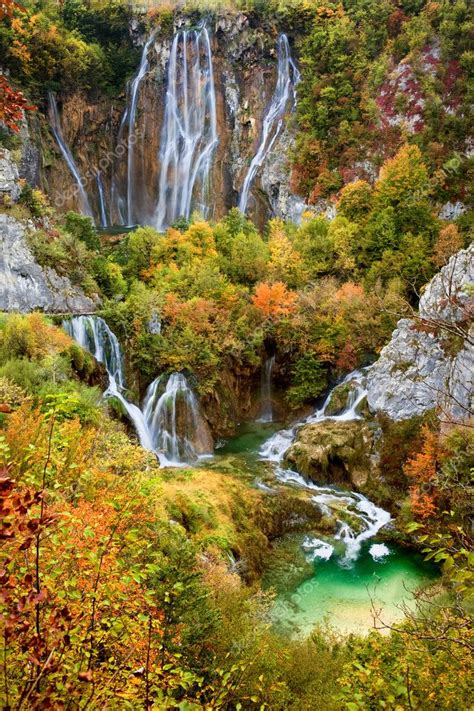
(354, 571)
(353, 566)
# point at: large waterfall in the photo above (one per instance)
(66, 153)
(285, 92)
(189, 134)
(332, 502)
(170, 423)
(177, 428)
(129, 119)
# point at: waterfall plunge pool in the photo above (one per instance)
(340, 596)
(339, 593)
(352, 570)
(248, 440)
(347, 569)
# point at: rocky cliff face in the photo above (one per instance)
(245, 75)
(9, 185)
(24, 284)
(429, 362)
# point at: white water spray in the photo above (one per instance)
(366, 519)
(94, 335)
(55, 122)
(285, 91)
(101, 191)
(189, 134)
(177, 429)
(170, 422)
(130, 119)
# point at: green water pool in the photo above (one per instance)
(340, 596)
(248, 439)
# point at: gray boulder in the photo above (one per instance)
(334, 452)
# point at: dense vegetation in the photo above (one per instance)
(324, 296)
(130, 586)
(107, 601)
(376, 73)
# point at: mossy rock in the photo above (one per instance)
(286, 566)
(334, 452)
(339, 399)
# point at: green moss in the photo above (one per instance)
(338, 400)
(286, 566)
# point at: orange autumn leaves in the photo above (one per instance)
(274, 300)
(422, 470)
(13, 103)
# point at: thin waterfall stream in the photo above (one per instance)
(266, 390)
(288, 77)
(56, 128)
(130, 119)
(102, 206)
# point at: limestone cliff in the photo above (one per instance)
(24, 284)
(429, 362)
(96, 131)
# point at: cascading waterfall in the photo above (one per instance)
(102, 207)
(67, 155)
(285, 91)
(118, 197)
(129, 119)
(170, 422)
(189, 134)
(275, 448)
(333, 502)
(176, 426)
(94, 335)
(266, 397)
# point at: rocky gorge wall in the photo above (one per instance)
(244, 61)
(24, 284)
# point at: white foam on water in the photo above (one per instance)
(379, 551)
(357, 518)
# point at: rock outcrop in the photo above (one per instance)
(334, 452)
(9, 186)
(429, 362)
(275, 180)
(24, 285)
